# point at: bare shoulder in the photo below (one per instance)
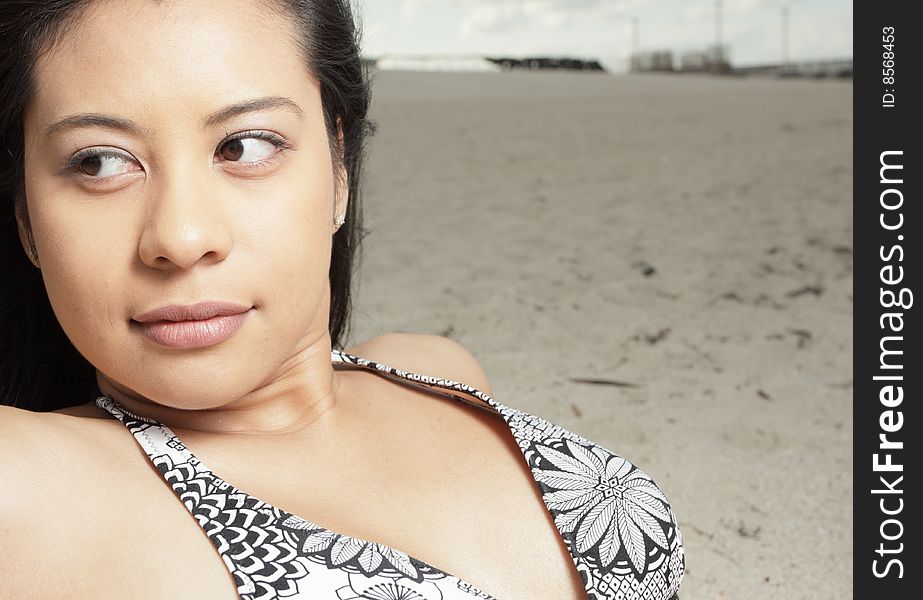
(64, 480)
(19, 433)
(42, 452)
(432, 355)
(15, 424)
(27, 467)
(34, 446)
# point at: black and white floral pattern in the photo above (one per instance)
(616, 523)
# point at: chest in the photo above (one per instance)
(478, 517)
(158, 550)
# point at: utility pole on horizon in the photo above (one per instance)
(786, 13)
(634, 60)
(784, 35)
(635, 36)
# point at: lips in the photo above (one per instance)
(192, 312)
(192, 326)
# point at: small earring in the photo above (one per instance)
(340, 220)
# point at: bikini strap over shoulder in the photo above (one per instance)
(445, 387)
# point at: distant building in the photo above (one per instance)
(714, 59)
(546, 63)
(841, 68)
(651, 61)
(435, 63)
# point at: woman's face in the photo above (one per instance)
(176, 153)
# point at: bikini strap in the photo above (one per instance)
(445, 387)
(155, 438)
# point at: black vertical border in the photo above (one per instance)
(878, 129)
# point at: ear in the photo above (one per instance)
(342, 177)
(25, 232)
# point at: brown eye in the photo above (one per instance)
(91, 165)
(232, 150)
(100, 164)
(255, 147)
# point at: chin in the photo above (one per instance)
(213, 392)
(199, 389)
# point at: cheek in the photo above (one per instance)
(73, 228)
(294, 231)
(83, 282)
(85, 254)
(79, 251)
(83, 277)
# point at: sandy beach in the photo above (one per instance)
(662, 264)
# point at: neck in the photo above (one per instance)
(293, 398)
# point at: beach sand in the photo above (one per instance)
(685, 239)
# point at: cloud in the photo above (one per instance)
(496, 16)
(486, 18)
(604, 28)
(409, 9)
(705, 9)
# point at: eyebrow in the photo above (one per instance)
(249, 106)
(216, 118)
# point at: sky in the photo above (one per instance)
(602, 29)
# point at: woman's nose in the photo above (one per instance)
(186, 224)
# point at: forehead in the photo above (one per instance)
(169, 58)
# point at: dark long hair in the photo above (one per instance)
(39, 368)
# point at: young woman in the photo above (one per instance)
(179, 183)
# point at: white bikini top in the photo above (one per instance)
(616, 523)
